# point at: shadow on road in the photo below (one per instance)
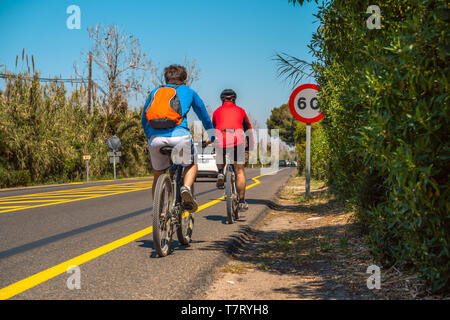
(223, 219)
(175, 246)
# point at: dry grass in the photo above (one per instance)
(316, 236)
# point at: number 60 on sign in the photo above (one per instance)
(303, 103)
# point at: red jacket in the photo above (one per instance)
(231, 123)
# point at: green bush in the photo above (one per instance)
(384, 145)
(319, 150)
(11, 178)
(44, 132)
(300, 138)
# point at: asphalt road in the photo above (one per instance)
(104, 228)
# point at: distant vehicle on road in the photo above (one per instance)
(207, 165)
(282, 163)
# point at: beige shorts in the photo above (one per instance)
(184, 152)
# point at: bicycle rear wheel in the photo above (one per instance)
(236, 195)
(184, 230)
(162, 206)
(230, 193)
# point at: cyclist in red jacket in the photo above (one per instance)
(233, 135)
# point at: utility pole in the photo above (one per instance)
(89, 84)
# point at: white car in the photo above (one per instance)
(207, 166)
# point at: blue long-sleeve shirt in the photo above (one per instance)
(188, 98)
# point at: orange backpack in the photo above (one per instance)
(164, 110)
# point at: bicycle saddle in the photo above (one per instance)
(166, 150)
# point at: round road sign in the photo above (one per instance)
(114, 143)
(303, 103)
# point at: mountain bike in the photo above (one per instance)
(231, 194)
(170, 215)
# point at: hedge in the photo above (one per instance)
(384, 146)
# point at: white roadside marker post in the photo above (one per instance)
(87, 158)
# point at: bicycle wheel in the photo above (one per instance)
(230, 194)
(162, 206)
(236, 200)
(184, 230)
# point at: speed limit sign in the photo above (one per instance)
(304, 105)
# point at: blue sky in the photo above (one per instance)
(233, 42)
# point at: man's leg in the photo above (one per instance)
(240, 176)
(240, 179)
(190, 174)
(240, 186)
(220, 162)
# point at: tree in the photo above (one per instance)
(122, 62)
(282, 119)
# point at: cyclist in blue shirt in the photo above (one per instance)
(179, 135)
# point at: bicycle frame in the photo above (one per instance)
(228, 165)
(177, 170)
(230, 193)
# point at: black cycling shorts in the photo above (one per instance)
(236, 154)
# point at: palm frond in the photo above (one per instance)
(292, 69)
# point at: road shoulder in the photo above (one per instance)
(306, 248)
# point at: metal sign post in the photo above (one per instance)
(87, 158)
(308, 158)
(304, 107)
(87, 170)
(114, 158)
(114, 167)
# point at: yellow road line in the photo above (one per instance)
(106, 187)
(63, 201)
(40, 277)
(27, 283)
(68, 184)
(24, 201)
(65, 196)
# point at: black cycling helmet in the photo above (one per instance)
(228, 94)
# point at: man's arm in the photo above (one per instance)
(246, 125)
(214, 120)
(202, 113)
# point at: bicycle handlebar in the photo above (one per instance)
(206, 143)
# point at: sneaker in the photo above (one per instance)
(243, 206)
(188, 200)
(220, 181)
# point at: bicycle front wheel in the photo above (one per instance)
(162, 206)
(186, 226)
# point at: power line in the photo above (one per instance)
(11, 75)
(65, 80)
